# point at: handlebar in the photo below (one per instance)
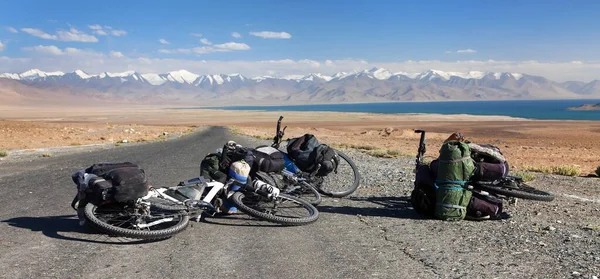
(422, 148)
(278, 133)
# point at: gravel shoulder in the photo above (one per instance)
(374, 233)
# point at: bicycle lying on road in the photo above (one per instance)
(164, 212)
(509, 186)
(343, 181)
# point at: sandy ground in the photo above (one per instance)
(526, 143)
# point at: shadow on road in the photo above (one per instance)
(60, 227)
(394, 207)
(238, 220)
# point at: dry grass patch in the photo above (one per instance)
(46, 155)
(566, 170)
(3, 153)
(526, 176)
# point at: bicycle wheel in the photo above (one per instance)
(126, 221)
(301, 190)
(511, 188)
(342, 183)
(285, 209)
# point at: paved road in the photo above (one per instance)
(373, 234)
(40, 237)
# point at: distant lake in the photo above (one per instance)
(533, 109)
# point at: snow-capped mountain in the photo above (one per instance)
(375, 84)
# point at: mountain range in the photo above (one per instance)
(371, 85)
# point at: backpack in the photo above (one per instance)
(120, 182)
(268, 159)
(308, 154)
(233, 152)
(210, 168)
(455, 167)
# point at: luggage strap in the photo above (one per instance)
(456, 160)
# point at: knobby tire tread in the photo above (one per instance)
(130, 233)
(354, 185)
(238, 197)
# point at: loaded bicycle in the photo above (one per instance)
(507, 186)
(164, 212)
(309, 185)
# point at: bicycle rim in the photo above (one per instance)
(121, 220)
(342, 183)
(285, 209)
(518, 190)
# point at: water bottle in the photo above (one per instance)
(289, 165)
(265, 188)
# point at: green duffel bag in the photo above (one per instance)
(454, 170)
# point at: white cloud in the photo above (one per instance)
(118, 33)
(1, 46)
(468, 50)
(164, 42)
(196, 34)
(106, 30)
(271, 35)
(232, 46)
(94, 63)
(116, 54)
(74, 35)
(225, 47)
(39, 33)
(205, 41)
(236, 35)
(52, 50)
(12, 29)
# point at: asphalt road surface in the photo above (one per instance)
(366, 236)
(40, 236)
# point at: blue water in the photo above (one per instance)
(533, 109)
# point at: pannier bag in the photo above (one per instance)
(490, 171)
(455, 167)
(268, 159)
(120, 182)
(484, 205)
(308, 153)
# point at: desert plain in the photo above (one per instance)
(527, 144)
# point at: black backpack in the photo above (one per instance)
(234, 153)
(120, 182)
(268, 159)
(308, 154)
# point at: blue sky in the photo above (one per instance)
(353, 32)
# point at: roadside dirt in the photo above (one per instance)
(527, 144)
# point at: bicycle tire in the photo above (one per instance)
(353, 186)
(307, 192)
(90, 216)
(521, 190)
(239, 197)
